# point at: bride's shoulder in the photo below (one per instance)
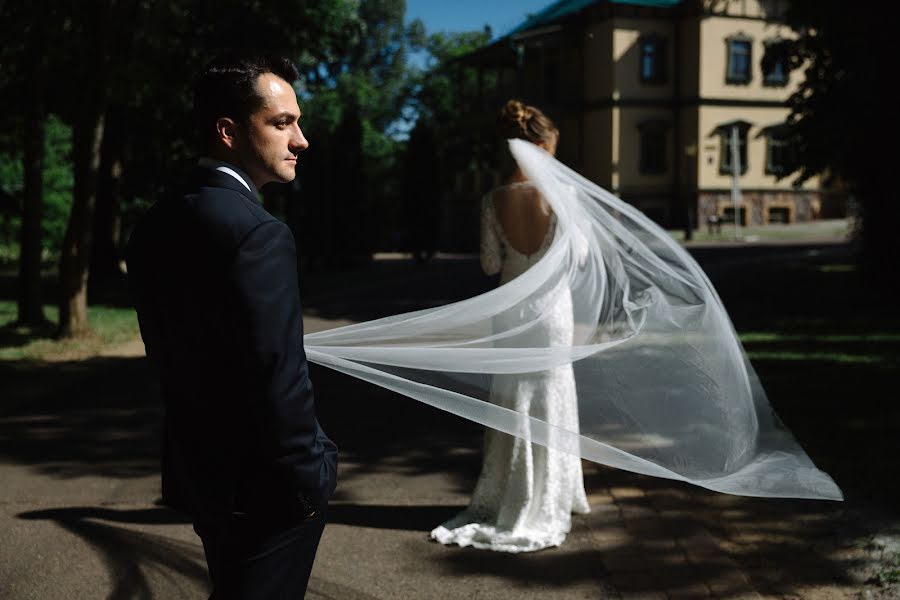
(515, 185)
(512, 189)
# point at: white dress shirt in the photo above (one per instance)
(218, 165)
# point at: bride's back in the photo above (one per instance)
(523, 214)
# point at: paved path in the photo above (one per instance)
(78, 466)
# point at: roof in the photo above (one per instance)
(563, 8)
(500, 51)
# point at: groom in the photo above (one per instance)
(214, 280)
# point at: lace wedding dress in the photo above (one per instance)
(526, 492)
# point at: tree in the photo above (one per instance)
(120, 99)
(353, 96)
(26, 91)
(30, 303)
(444, 98)
(114, 90)
(452, 130)
(422, 191)
(842, 115)
(106, 47)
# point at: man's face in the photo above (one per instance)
(273, 138)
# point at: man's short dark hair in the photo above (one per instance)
(227, 88)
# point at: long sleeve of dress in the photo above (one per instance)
(491, 251)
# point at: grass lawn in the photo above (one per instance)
(827, 349)
(110, 326)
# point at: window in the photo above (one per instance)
(726, 163)
(728, 215)
(774, 63)
(779, 214)
(653, 147)
(779, 150)
(738, 69)
(653, 59)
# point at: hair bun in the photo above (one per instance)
(519, 120)
(515, 116)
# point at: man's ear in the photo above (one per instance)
(226, 131)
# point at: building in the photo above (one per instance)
(648, 94)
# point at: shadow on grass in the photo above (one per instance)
(13, 335)
(828, 364)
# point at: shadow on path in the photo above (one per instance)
(128, 554)
(94, 417)
(101, 417)
(402, 517)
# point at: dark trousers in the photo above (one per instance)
(250, 557)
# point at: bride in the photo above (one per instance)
(526, 492)
(598, 299)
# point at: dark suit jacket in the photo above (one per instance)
(214, 281)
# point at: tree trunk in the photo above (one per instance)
(30, 307)
(104, 264)
(75, 259)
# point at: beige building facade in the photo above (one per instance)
(648, 95)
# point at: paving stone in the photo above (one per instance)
(642, 595)
(729, 582)
(633, 513)
(679, 527)
(597, 499)
(743, 595)
(712, 561)
(669, 493)
(624, 561)
(657, 543)
(680, 576)
(700, 546)
(640, 521)
(632, 582)
(734, 514)
(611, 537)
(624, 493)
(674, 557)
(689, 592)
(605, 511)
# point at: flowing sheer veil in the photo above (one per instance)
(664, 386)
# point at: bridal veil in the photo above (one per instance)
(664, 386)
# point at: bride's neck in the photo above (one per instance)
(516, 177)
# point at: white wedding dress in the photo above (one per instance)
(526, 492)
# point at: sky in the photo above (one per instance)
(466, 15)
